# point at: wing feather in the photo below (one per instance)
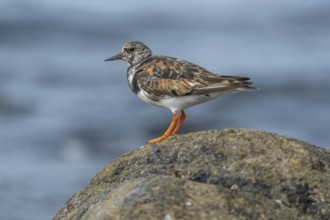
(164, 77)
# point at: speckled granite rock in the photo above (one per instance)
(228, 174)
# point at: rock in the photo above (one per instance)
(228, 174)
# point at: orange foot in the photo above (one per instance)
(169, 131)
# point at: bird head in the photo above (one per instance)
(133, 53)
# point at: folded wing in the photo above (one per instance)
(171, 79)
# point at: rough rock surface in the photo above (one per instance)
(228, 174)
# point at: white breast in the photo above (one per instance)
(177, 104)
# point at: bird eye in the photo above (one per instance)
(129, 49)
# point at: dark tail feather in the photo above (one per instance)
(236, 78)
(246, 88)
(245, 85)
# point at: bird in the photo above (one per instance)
(173, 83)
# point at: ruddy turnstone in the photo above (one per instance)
(173, 83)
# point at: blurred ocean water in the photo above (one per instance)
(65, 114)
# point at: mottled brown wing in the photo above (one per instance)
(226, 84)
(165, 77)
(158, 88)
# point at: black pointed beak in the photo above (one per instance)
(115, 57)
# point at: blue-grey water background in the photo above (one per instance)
(65, 113)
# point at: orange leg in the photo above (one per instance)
(168, 131)
(178, 126)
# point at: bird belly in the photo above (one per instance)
(179, 103)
